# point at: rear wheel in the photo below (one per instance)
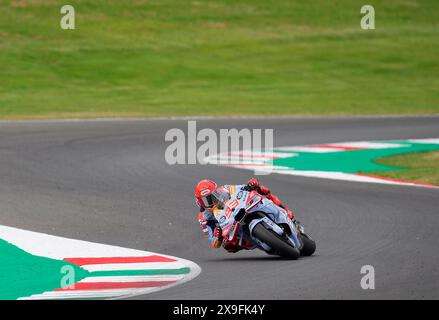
(278, 245)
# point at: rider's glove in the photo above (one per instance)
(252, 184)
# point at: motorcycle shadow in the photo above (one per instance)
(255, 258)
(248, 258)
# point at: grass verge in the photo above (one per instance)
(240, 57)
(422, 167)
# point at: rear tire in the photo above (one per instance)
(278, 244)
(309, 246)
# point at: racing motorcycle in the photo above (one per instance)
(252, 221)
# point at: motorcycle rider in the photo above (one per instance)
(209, 197)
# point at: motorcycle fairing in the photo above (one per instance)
(275, 216)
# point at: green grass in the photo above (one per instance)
(418, 167)
(177, 57)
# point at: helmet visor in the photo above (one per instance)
(220, 196)
(207, 201)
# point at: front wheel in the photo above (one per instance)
(277, 244)
(309, 245)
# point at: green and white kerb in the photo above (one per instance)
(350, 161)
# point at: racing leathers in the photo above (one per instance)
(210, 226)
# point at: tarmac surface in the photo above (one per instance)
(108, 182)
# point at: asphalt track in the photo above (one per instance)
(108, 182)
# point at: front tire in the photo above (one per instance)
(278, 245)
(309, 245)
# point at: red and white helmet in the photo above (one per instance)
(203, 193)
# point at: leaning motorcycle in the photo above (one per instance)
(252, 221)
